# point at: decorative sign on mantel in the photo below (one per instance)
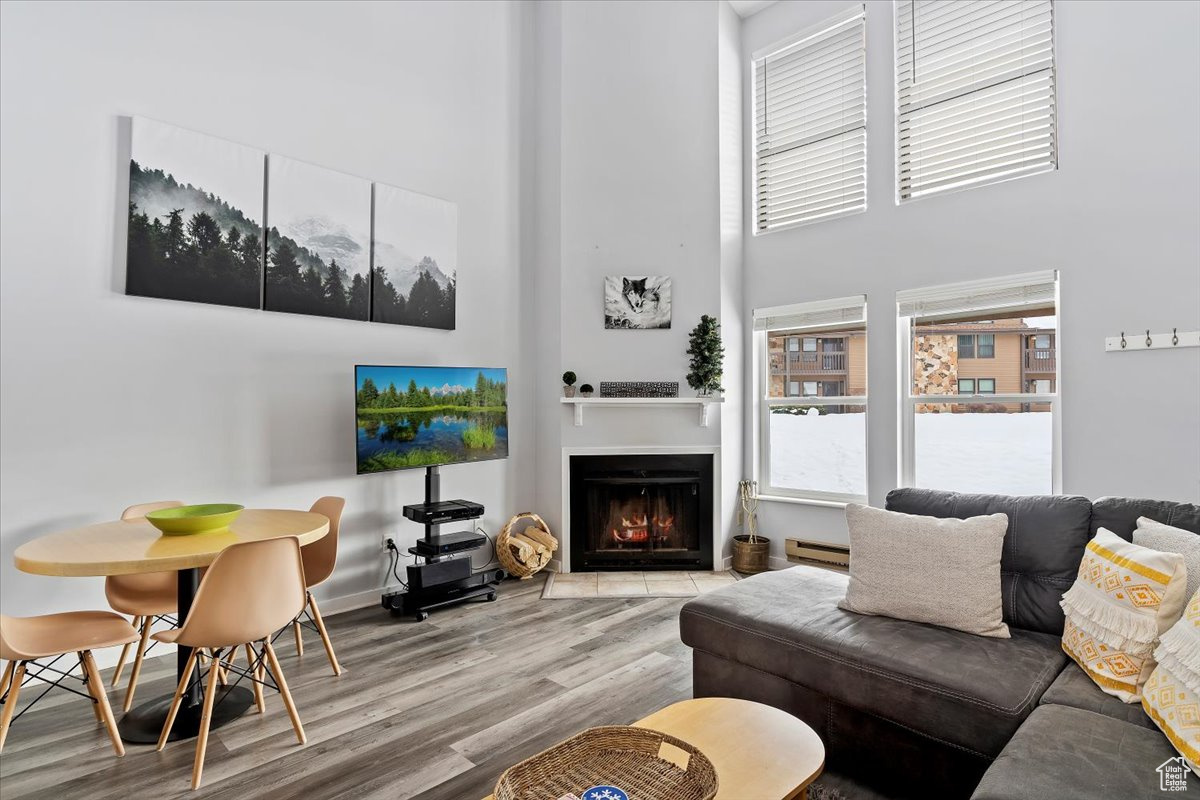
(639, 388)
(212, 221)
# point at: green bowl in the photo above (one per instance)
(186, 520)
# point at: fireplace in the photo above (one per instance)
(641, 512)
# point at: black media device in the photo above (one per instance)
(439, 513)
(448, 543)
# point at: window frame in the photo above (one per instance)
(979, 390)
(979, 345)
(762, 404)
(959, 346)
(906, 424)
(959, 386)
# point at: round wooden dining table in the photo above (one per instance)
(132, 546)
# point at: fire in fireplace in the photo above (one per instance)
(641, 512)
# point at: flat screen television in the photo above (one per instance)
(429, 416)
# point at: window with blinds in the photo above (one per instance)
(975, 93)
(811, 125)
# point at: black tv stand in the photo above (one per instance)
(445, 578)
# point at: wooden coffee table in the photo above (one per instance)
(758, 751)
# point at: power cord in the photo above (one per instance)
(494, 559)
(394, 562)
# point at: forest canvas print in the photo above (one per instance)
(416, 258)
(195, 217)
(632, 303)
(318, 243)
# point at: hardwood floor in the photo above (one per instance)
(432, 710)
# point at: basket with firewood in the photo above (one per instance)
(525, 545)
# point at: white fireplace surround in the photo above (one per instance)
(563, 562)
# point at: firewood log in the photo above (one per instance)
(522, 549)
(538, 535)
(538, 548)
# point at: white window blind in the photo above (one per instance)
(820, 314)
(811, 124)
(975, 93)
(1029, 292)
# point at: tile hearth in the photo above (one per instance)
(572, 585)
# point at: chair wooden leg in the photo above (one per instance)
(287, 695)
(96, 687)
(316, 615)
(177, 700)
(147, 623)
(116, 678)
(8, 671)
(210, 695)
(299, 638)
(258, 689)
(10, 702)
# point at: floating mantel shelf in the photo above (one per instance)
(702, 403)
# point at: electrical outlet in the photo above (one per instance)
(383, 542)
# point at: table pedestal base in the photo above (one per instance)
(143, 724)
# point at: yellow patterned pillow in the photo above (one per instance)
(1123, 599)
(1172, 695)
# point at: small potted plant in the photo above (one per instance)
(569, 383)
(586, 390)
(708, 357)
(751, 552)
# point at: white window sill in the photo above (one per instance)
(809, 501)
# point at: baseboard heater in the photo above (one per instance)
(821, 554)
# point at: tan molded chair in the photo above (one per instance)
(147, 597)
(320, 557)
(250, 591)
(26, 640)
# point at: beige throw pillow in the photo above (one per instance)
(1168, 539)
(1124, 598)
(925, 569)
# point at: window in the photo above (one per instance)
(793, 344)
(1041, 341)
(811, 125)
(966, 346)
(975, 93)
(814, 447)
(975, 425)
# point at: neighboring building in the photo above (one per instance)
(828, 364)
(985, 358)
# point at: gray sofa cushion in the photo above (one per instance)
(967, 690)
(1064, 753)
(1120, 514)
(1042, 548)
(1074, 688)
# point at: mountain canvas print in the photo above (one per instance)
(318, 244)
(416, 258)
(195, 217)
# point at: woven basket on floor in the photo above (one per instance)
(504, 551)
(619, 756)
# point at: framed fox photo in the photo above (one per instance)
(637, 303)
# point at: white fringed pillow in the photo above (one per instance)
(1124, 598)
(1172, 694)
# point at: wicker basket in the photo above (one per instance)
(627, 758)
(508, 558)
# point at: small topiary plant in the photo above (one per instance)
(569, 383)
(586, 390)
(708, 356)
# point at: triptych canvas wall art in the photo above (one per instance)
(212, 221)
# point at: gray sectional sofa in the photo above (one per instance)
(913, 710)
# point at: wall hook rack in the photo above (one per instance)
(1153, 341)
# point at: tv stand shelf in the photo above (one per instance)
(701, 403)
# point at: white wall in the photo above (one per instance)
(1118, 219)
(629, 183)
(108, 400)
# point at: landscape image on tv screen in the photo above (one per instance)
(429, 416)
